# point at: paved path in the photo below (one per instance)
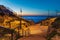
(36, 37)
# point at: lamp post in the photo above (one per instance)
(48, 13)
(19, 27)
(56, 13)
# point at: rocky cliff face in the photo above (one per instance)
(5, 11)
(8, 17)
(9, 20)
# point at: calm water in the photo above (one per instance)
(35, 18)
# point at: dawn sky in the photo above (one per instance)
(30, 7)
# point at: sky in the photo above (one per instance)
(32, 7)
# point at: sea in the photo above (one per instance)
(35, 18)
